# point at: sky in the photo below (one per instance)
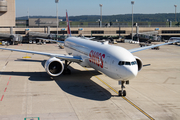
(91, 7)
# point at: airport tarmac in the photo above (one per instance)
(27, 92)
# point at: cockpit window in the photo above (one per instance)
(127, 63)
(133, 63)
(121, 63)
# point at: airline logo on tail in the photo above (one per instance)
(68, 25)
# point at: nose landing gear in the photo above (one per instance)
(122, 92)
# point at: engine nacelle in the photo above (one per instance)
(139, 63)
(54, 66)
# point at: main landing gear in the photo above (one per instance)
(122, 92)
(66, 71)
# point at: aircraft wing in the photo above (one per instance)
(89, 38)
(50, 40)
(148, 47)
(60, 56)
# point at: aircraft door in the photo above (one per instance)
(107, 62)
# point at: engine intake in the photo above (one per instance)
(139, 63)
(54, 66)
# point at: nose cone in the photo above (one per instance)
(130, 72)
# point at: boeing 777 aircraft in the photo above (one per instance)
(114, 61)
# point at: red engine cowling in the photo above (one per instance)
(54, 66)
(139, 63)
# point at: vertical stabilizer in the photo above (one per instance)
(68, 25)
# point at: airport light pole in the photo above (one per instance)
(101, 14)
(132, 2)
(28, 13)
(56, 1)
(175, 12)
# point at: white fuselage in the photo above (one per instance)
(116, 62)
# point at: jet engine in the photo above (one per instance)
(139, 63)
(54, 66)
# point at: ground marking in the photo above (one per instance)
(124, 97)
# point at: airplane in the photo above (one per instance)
(177, 39)
(114, 61)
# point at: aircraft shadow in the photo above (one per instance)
(79, 83)
(30, 60)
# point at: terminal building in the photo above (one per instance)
(44, 25)
(7, 13)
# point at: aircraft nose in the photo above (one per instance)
(131, 72)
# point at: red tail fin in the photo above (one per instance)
(68, 25)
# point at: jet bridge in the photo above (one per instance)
(12, 39)
(34, 35)
(146, 36)
(152, 36)
(38, 34)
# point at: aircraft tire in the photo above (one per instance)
(124, 93)
(120, 93)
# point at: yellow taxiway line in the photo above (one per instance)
(124, 98)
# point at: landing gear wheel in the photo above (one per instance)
(122, 93)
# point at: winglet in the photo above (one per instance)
(68, 25)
